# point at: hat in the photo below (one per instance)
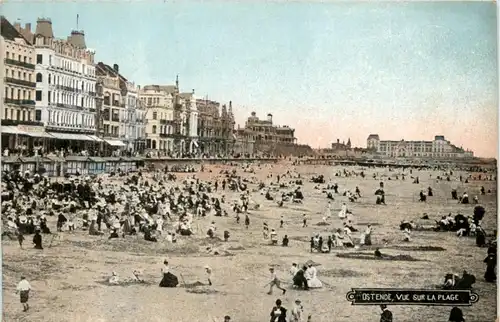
(298, 301)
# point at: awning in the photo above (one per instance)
(12, 130)
(234, 136)
(40, 134)
(115, 143)
(196, 144)
(70, 136)
(95, 138)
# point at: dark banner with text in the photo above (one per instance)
(389, 296)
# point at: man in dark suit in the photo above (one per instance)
(386, 315)
(278, 313)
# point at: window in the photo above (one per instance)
(24, 115)
(39, 59)
(154, 129)
(149, 100)
(19, 57)
(38, 96)
(6, 92)
(48, 96)
(39, 77)
(24, 94)
(7, 55)
(50, 76)
(155, 115)
(29, 116)
(25, 59)
(50, 60)
(18, 115)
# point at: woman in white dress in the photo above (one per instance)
(312, 278)
(366, 236)
(343, 211)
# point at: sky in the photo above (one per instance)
(330, 70)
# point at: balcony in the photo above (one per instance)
(17, 122)
(19, 102)
(68, 106)
(19, 63)
(19, 82)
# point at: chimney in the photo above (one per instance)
(44, 28)
(77, 39)
(270, 117)
(116, 68)
(338, 141)
(27, 27)
(17, 25)
(192, 91)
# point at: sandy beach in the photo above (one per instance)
(68, 275)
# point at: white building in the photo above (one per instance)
(65, 84)
(438, 148)
(133, 120)
(189, 121)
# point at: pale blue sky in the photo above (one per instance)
(331, 70)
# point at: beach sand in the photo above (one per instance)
(67, 278)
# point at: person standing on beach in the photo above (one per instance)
(247, 221)
(278, 313)
(304, 220)
(20, 238)
(24, 288)
(386, 315)
(208, 271)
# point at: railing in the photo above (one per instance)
(19, 63)
(68, 106)
(19, 82)
(19, 102)
(70, 126)
(116, 103)
(18, 122)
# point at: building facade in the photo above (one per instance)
(18, 63)
(65, 79)
(158, 102)
(186, 117)
(215, 127)
(121, 116)
(438, 148)
(172, 120)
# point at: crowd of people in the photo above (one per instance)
(146, 202)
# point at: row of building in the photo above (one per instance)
(57, 97)
(439, 148)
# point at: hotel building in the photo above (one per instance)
(438, 148)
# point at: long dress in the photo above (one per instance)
(491, 263)
(366, 237)
(312, 278)
(169, 279)
(343, 212)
